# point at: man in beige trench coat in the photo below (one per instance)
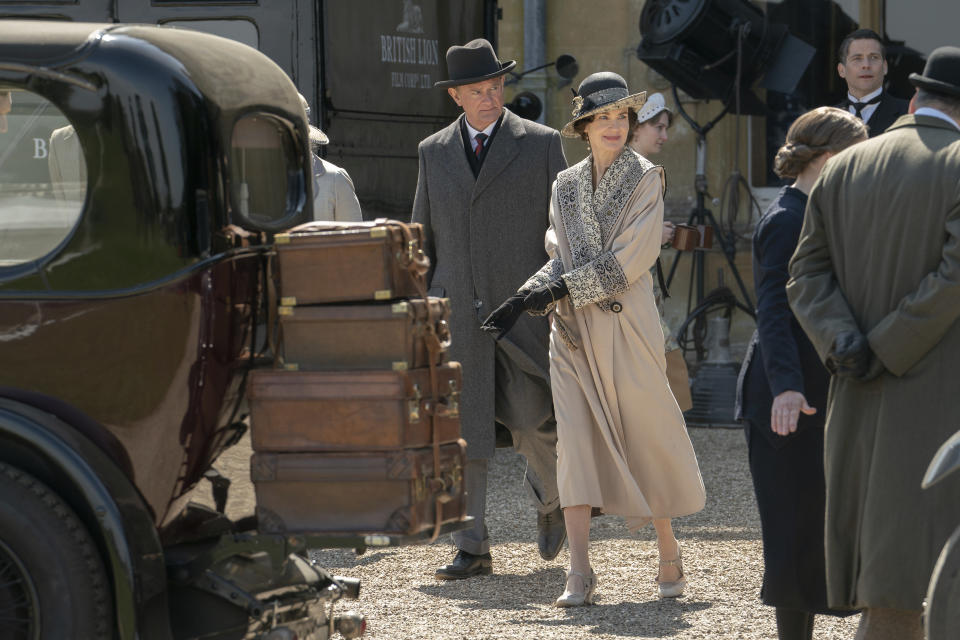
(875, 283)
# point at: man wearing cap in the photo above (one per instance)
(863, 65)
(334, 197)
(875, 283)
(483, 196)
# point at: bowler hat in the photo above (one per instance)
(941, 73)
(598, 92)
(475, 61)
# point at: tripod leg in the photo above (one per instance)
(729, 255)
(676, 258)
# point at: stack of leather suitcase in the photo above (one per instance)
(356, 429)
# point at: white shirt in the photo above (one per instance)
(868, 110)
(935, 113)
(473, 133)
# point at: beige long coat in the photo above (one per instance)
(880, 252)
(622, 444)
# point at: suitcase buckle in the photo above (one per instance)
(456, 477)
(453, 400)
(420, 488)
(413, 405)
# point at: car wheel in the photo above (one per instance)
(942, 614)
(52, 581)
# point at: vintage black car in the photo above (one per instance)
(142, 172)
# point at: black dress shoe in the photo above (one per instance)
(551, 533)
(466, 565)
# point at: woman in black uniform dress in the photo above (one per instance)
(784, 388)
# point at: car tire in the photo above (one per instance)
(52, 580)
(942, 606)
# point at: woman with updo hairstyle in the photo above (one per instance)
(783, 395)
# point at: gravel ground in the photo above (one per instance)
(721, 551)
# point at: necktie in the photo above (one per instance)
(860, 106)
(480, 137)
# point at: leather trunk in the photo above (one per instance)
(389, 492)
(397, 336)
(325, 262)
(352, 410)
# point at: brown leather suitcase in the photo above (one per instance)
(400, 335)
(387, 492)
(352, 410)
(324, 262)
(687, 237)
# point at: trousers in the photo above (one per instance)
(529, 417)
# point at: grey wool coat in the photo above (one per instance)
(880, 252)
(484, 237)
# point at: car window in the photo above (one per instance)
(266, 185)
(43, 177)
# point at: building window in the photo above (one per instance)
(242, 31)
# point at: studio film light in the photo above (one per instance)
(695, 45)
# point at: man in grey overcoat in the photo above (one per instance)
(875, 283)
(483, 196)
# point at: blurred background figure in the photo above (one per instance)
(68, 170)
(6, 104)
(647, 138)
(653, 120)
(863, 65)
(783, 395)
(334, 197)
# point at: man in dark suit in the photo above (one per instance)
(483, 197)
(863, 64)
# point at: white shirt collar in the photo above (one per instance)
(935, 113)
(473, 132)
(869, 96)
(868, 110)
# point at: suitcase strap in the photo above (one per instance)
(412, 258)
(271, 287)
(436, 345)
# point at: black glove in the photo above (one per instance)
(505, 316)
(852, 357)
(540, 298)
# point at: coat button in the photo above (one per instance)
(616, 307)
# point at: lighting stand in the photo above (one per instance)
(700, 215)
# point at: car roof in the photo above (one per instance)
(230, 73)
(44, 41)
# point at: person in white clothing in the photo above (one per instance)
(334, 196)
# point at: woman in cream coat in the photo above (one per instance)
(622, 443)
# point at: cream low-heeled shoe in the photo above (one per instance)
(578, 598)
(675, 588)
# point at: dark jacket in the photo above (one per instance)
(888, 110)
(780, 356)
(787, 471)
